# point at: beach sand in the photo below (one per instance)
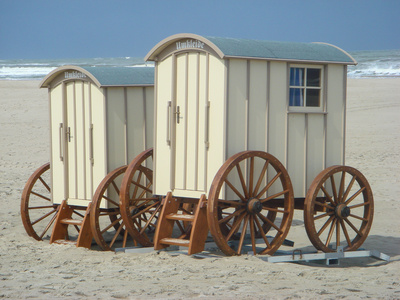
(32, 269)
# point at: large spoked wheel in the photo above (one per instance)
(106, 222)
(250, 196)
(38, 213)
(338, 209)
(139, 207)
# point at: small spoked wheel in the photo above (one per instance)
(338, 209)
(139, 207)
(106, 222)
(38, 212)
(251, 196)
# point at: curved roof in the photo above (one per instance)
(106, 76)
(258, 49)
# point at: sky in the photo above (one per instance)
(51, 29)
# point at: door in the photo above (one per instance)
(191, 110)
(78, 140)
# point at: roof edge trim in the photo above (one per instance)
(351, 57)
(173, 38)
(49, 77)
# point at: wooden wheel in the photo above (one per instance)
(106, 222)
(250, 196)
(338, 209)
(139, 207)
(37, 209)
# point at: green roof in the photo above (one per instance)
(280, 50)
(256, 49)
(105, 76)
(122, 76)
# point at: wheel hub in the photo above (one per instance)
(254, 206)
(342, 211)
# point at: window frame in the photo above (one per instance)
(321, 88)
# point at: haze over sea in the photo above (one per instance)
(376, 64)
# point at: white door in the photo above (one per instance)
(79, 151)
(191, 119)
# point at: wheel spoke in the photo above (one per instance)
(243, 234)
(235, 226)
(323, 215)
(235, 190)
(253, 234)
(322, 229)
(329, 196)
(251, 175)
(269, 185)
(230, 216)
(334, 190)
(328, 240)
(144, 210)
(275, 210)
(44, 183)
(346, 234)
(110, 200)
(115, 222)
(231, 203)
(355, 195)
(41, 196)
(359, 205)
(353, 227)
(48, 226)
(44, 216)
(324, 205)
(148, 223)
(358, 217)
(346, 193)
(261, 177)
(263, 234)
(337, 234)
(117, 232)
(115, 187)
(274, 196)
(242, 182)
(266, 220)
(125, 238)
(341, 189)
(42, 207)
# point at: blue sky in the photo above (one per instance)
(86, 29)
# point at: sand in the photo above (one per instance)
(32, 269)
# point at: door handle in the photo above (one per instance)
(61, 133)
(69, 136)
(177, 114)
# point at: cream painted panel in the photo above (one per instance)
(115, 109)
(315, 147)
(192, 122)
(88, 122)
(57, 144)
(162, 150)
(149, 117)
(257, 105)
(217, 119)
(296, 152)
(99, 136)
(203, 102)
(80, 136)
(277, 111)
(335, 118)
(181, 126)
(71, 141)
(237, 106)
(135, 122)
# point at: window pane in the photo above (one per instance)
(296, 76)
(296, 97)
(313, 77)
(312, 97)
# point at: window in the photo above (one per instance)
(305, 87)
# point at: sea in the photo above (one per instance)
(371, 64)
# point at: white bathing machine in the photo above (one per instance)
(233, 118)
(100, 119)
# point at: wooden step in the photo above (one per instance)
(181, 217)
(65, 242)
(71, 222)
(174, 241)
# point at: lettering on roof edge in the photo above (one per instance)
(74, 74)
(190, 44)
